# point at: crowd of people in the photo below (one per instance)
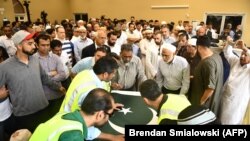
(56, 79)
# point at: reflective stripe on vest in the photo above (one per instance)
(53, 128)
(173, 106)
(63, 129)
(69, 106)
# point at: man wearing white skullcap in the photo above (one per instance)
(81, 42)
(173, 74)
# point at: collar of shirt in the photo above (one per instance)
(48, 56)
(173, 61)
(96, 46)
(128, 64)
(96, 79)
(164, 99)
(82, 39)
(246, 66)
(6, 38)
(60, 39)
(30, 58)
(92, 62)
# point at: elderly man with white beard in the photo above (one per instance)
(173, 74)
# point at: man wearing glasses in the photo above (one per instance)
(96, 109)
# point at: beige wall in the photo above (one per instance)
(141, 9)
(56, 9)
(8, 10)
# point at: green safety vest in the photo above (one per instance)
(173, 106)
(53, 128)
(81, 84)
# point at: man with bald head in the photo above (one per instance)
(100, 40)
(173, 74)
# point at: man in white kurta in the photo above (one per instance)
(237, 89)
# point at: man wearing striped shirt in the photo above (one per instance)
(67, 46)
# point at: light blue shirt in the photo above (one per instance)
(85, 63)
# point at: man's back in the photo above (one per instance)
(78, 89)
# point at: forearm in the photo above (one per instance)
(206, 95)
(60, 76)
(185, 81)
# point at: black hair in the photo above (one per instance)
(111, 33)
(105, 64)
(4, 53)
(42, 36)
(114, 55)
(126, 47)
(55, 43)
(183, 33)
(50, 31)
(102, 49)
(97, 100)
(150, 89)
(203, 41)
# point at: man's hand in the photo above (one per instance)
(111, 137)
(116, 86)
(119, 138)
(3, 92)
(63, 90)
(241, 45)
(53, 73)
(230, 41)
(118, 106)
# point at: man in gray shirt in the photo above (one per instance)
(173, 74)
(208, 77)
(23, 76)
(129, 72)
(53, 66)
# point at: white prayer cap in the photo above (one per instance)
(80, 21)
(149, 30)
(163, 22)
(168, 47)
(82, 28)
(192, 41)
(198, 27)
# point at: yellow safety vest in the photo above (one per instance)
(81, 85)
(173, 106)
(52, 129)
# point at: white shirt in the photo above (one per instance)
(79, 45)
(122, 39)
(174, 75)
(8, 44)
(5, 110)
(66, 63)
(236, 92)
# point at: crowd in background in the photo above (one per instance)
(179, 58)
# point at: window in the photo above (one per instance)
(220, 20)
(81, 16)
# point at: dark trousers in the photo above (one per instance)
(167, 91)
(54, 106)
(31, 121)
(66, 83)
(6, 128)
